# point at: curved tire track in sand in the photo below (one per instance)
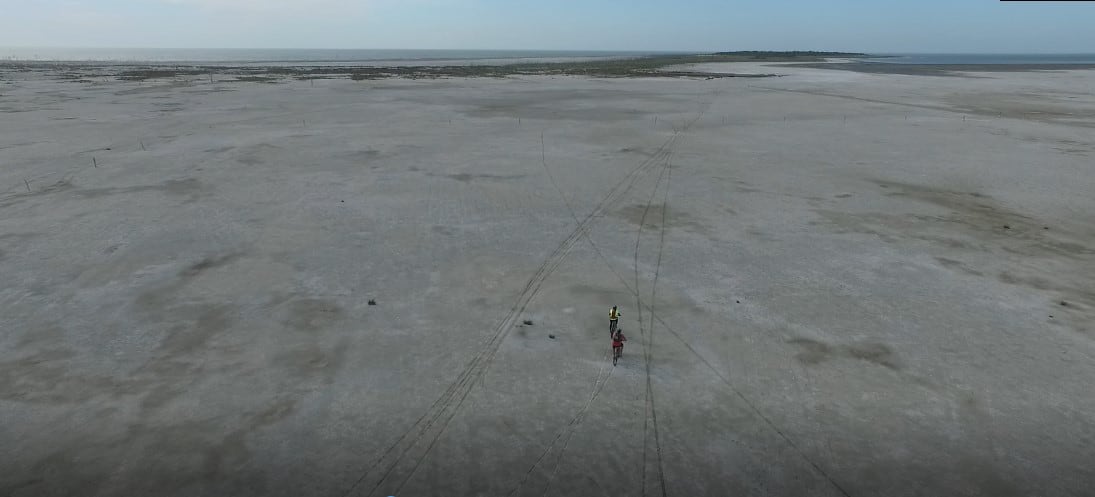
(446, 406)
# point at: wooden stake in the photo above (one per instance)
(94, 162)
(27, 183)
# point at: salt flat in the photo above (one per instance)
(834, 283)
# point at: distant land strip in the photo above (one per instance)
(647, 66)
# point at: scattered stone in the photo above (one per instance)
(528, 322)
(343, 201)
(551, 337)
(372, 301)
(1007, 227)
(1045, 227)
(1051, 316)
(738, 301)
(1064, 304)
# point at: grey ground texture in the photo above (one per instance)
(834, 283)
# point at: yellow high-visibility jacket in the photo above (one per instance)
(613, 315)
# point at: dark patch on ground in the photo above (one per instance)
(56, 187)
(468, 178)
(1029, 106)
(815, 352)
(958, 265)
(364, 155)
(45, 377)
(309, 360)
(312, 314)
(973, 221)
(209, 263)
(1032, 282)
(444, 230)
(257, 154)
(195, 452)
(190, 187)
(982, 215)
(1073, 290)
(1054, 261)
(17, 241)
(257, 79)
(675, 219)
(211, 320)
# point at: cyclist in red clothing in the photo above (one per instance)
(618, 340)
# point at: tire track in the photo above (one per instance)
(650, 413)
(648, 407)
(650, 349)
(772, 426)
(445, 407)
(568, 430)
(574, 425)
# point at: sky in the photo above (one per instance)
(877, 26)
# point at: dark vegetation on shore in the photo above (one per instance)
(800, 56)
(649, 66)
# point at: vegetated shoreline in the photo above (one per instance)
(646, 66)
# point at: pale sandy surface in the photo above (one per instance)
(830, 301)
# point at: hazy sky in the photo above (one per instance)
(854, 25)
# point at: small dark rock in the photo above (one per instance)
(1051, 316)
(1063, 303)
(1045, 227)
(372, 302)
(738, 301)
(1007, 227)
(551, 337)
(343, 201)
(528, 322)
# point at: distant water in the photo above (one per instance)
(302, 57)
(1005, 59)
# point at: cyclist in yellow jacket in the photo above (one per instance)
(613, 319)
